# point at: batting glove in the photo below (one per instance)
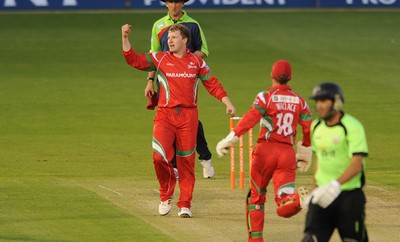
(224, 145)
(303, 157)
(325, 195)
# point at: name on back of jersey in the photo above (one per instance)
(285, 102)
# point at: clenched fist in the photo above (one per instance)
(126, 30)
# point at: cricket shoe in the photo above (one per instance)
(184, 213)
(208, 169)
(305, 197)
(164, 208)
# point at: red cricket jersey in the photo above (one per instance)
(178, 77)
(279, 111)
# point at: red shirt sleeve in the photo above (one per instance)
(249, 120)
(213, 86)
(143, 62)
(305, 122)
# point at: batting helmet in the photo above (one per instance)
(328, 90)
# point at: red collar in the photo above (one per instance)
(187, 51)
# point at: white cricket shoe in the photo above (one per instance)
(305, 197)
(164, 207)
(176, 173)
(184, 213)
(208, 169)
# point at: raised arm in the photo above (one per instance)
(141, 62)
(126, 30)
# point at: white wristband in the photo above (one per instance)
(335, 183)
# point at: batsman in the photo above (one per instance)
(279, 110)
(340, 144)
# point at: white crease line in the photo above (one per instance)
(111, 190)
(377, 188)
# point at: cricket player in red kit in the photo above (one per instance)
(179, 72)
(279, 110)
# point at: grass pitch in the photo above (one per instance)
(75, 136)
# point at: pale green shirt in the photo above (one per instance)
(335, 146)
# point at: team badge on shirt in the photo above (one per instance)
(336, 140)
(192, 65)
(160, 25)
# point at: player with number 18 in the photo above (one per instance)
(280, 110)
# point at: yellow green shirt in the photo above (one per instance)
(161, 27)
(335, 146)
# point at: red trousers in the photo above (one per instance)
(179, 124)
(274, 161)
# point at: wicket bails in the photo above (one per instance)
(241, 154)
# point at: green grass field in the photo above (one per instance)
(75, 137)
